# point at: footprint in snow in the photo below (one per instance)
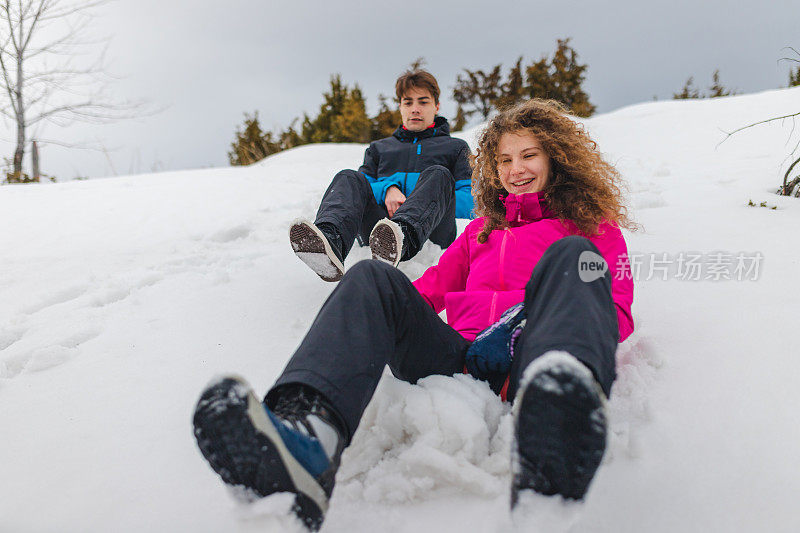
(49, 356)
(231, 234)
(9, 336)
(56, 298)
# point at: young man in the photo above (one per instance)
(411, 188)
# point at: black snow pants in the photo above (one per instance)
(429, 210)
(376, 317)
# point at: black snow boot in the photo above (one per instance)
(320, 251)
(293, 447)
(559, 428)
(387, 241)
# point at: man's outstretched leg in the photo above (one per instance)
(562, 373)
(292, 441)
(429, 209)
(324, 244)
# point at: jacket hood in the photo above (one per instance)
(440, 127)
(525, 208)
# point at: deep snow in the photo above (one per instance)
(121, 298)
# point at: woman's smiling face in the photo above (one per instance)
(522, 164)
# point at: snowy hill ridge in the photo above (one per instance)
(120, 298)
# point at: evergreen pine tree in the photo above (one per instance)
(352, 124)
(560, 79)
(290, 138)
(460, 119)
(342, 116)
(308, 128)
(537, 80)
(417, 64)
(794, 77)
(512, 91)
(716, 88)
(252, 144)
(478, 89)
(688, 91)
(385, 121)
(320, 129)
(568, 76)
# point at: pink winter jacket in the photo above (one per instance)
(475, 282)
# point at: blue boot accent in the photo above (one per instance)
(307, 450)
(490, 355)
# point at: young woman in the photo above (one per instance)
(543, 273)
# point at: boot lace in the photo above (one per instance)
(293, 406)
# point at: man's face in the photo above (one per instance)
(418, 109)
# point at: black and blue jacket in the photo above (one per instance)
(399, 160)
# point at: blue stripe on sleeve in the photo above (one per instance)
(464, 201)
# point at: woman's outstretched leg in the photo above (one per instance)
(562, 371)
(374, 318)
(292, 442)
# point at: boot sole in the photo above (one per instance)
(241, 444)
(560, 428)
(386, 242)
(313, 249)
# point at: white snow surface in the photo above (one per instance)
(120, 298)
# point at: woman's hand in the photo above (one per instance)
(394, 199)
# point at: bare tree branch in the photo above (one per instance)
(787, 188)
(32, 27)
(728, 134)
(50, 72)
(11, 28)
(56, 11)
(795, 59)
(84, 145)
(8, 84)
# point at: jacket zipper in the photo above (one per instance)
(493, 309)
(502, 259)
(405, 175)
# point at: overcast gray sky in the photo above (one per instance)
(207, 62)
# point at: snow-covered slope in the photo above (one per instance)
(120, 298)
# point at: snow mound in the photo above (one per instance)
(444, 435)
(542, 514)
(452, 435)
(628, 411)
(268, 514)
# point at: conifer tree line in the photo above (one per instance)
(716, 89)
(794, 73)
(794, 77)
(558, 77)
(343, 117)
(690, 91)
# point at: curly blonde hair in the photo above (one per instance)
(583, 188)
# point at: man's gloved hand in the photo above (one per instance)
(492, 351)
